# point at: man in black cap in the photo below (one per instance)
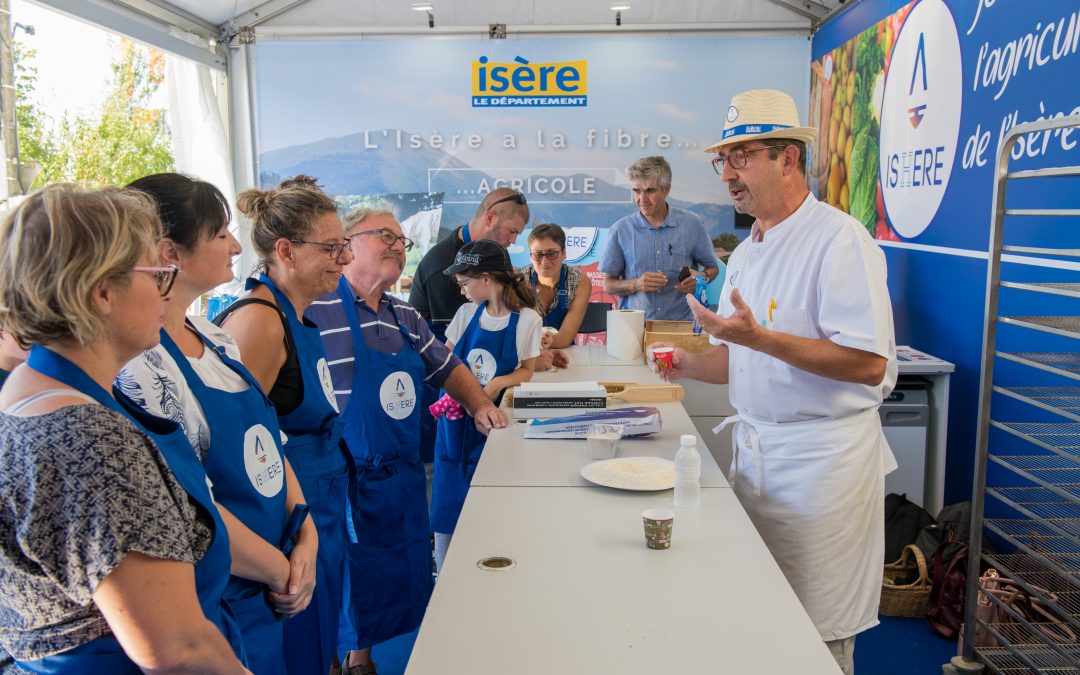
(501, 217)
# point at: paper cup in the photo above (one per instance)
(658, 525)
(664, 357)
(603, 440)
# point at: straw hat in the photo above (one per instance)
(760, 114)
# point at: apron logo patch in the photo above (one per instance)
(397, 394)
(327, 383)
(262, 461)
(483, 364)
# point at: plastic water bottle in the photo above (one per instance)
(222, 297)
(702, 296)
(687, 472)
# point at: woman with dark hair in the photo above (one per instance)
(195, 378)
(302, 248)
(121, 557)
(558, 299)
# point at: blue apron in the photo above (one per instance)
(321, 467)
(104, 655)
(458, 444)
(388, 579)
(557, 313)
(245, 465)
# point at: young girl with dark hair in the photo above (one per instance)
(496, 334)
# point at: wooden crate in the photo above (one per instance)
(678, 333)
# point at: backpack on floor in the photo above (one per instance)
(953, 524)
(904, 520)
(946, 612)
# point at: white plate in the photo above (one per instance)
(642, 474)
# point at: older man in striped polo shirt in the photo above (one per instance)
(381, 353)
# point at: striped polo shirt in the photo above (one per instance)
(381, 334)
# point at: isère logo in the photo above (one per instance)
(523, 84)
(920, 117)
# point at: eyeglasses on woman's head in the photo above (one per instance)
(165, 276)
(388, 237)
(334, 249)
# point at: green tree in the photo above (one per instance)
(35, 142)
(726, 241)
(126, 139)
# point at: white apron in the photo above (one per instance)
(815, 491)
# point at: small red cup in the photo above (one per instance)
(664, 357)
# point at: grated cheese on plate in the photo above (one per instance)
(632, 473)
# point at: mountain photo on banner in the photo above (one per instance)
(419, 213)
(412, 116)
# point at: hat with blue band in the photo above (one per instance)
(761, 114)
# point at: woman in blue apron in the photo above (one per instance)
(389, 559)
(560, 300)
(90, 299)
(192, 379)
(301, 245)
(496, 334)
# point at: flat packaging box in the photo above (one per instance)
(534, 400)
(636, 421)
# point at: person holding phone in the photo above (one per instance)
(646, 250)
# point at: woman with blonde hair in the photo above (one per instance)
(122, 556)
(302, 248)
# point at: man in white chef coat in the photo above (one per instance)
(804, 337)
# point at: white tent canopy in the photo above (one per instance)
(181, 25)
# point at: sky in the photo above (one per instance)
(65, 84)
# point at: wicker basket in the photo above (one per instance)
(908, 599)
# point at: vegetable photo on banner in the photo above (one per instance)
(862, 158)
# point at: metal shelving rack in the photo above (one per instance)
(1045, 541)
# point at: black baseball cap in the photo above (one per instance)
(478, 256)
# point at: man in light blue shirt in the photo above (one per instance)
(646, 251)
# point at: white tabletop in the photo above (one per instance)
(587, 597)
(511, 460)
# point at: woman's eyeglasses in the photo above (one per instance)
(389, 238)
(550, 254)
(335, 250)
(164, 276)
(516, 197)
(737, 159)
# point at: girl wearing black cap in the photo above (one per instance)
(497, 334)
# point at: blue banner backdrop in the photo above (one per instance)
(558, 119)
(912, 99)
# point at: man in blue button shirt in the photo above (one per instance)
(646, 251)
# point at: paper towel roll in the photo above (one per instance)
(625, 331)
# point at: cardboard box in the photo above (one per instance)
(677, 333)
(532, 400)
(636, 421)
